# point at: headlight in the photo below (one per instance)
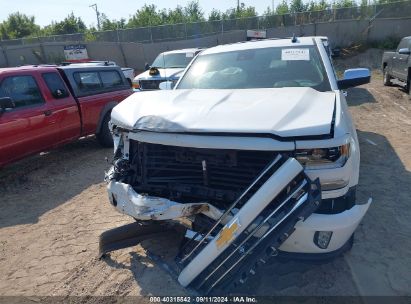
(324, 157)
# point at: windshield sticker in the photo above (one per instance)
(295, 54)
(189, 55)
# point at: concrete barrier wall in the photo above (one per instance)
(394, 28)
(134, 54)
(22, 55)
(106, 51)
(344, 33)
(299, 30)
(341, 33)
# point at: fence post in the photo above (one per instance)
(6, 58)
(120, 46)
(43, 53)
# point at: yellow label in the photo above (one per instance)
(227, 234)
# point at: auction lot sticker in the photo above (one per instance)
(295, 54)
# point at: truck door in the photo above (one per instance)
(65, 107)
(400, 66)
(30, 126)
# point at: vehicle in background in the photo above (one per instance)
(42, 107)
(255, 148)
(168, 66)
(128, 72)
(398, 64)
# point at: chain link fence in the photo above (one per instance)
(201, 29)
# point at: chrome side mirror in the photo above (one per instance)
(404, 51)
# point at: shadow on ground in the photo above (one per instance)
(358, 96)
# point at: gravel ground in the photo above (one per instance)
(54, 206)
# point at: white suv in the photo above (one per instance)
(167, 66)
(239, 148)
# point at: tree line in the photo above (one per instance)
(19, 25)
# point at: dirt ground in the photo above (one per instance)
(54, 207)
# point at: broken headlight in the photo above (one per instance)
(334, 157)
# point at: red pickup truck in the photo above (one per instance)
(42, 107)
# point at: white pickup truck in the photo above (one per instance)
(255, 147)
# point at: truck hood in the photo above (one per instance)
(163, 74)
(284, 112)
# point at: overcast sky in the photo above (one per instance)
(46, 11)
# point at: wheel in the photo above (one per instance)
(387, 77)
(104, 136)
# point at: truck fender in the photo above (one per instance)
(107, 109)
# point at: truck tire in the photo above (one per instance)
(387, 77)
(104, 136)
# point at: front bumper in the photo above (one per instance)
(342, 225)
(143, 207)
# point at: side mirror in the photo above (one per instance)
(353, 78)
(6, 103)
(166, 85)
(146, 67)
(404, 51)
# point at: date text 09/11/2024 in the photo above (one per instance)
(199, 299)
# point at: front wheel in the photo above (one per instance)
(104, 136)
(387, 77)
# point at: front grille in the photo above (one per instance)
(194, 174)
(150, 84)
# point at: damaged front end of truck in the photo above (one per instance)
(239, 206)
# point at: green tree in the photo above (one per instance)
(70, 25)
(297, 6)
(146, 16)
(193, 12)
(240, 12)
(174, 16)
(282, 8)
(107, 24)
(214, 15)
(344, 3)
(18, 25)
(318, 6)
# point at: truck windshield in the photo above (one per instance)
(275, 67)
(174, 60)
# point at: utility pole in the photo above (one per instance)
(94, 6)
(273, 7)
(238, 5)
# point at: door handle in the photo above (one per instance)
(48, 112)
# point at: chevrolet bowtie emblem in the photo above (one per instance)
(227, 234)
